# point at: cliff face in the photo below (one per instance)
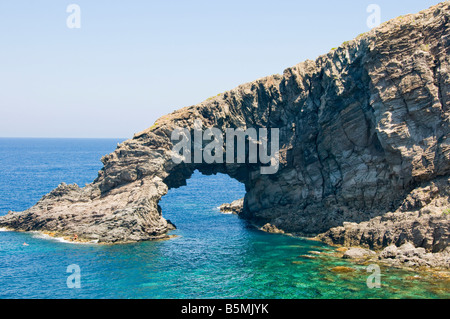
(363, 130)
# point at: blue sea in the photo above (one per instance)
(213, 255)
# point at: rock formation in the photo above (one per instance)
(235, 207)
(363, 131)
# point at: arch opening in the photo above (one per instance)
(194, 206)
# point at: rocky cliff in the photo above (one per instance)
(363, 131)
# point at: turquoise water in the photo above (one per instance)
(213, 256)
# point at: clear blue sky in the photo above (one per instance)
(134, 61)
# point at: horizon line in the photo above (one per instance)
(49, 137)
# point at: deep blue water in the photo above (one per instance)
(213, 256)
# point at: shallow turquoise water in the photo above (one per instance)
(213, 256)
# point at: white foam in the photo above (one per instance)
(37, 234)
(61, 239)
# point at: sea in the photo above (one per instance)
(212, 255)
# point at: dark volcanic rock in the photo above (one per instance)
(363, 131)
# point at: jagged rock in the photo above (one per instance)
(363, 131)
(411, 256)
(407, 255)
(358, 253)
(389, 252)
(269, 228)
(342, 269)
(424, 228)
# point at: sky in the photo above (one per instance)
(131, 62)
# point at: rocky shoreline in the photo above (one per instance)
(416, 235)
(406, 256)
(364, 154)
(402, 254)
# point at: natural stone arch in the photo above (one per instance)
(362, 130)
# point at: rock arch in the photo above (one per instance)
(361, 128)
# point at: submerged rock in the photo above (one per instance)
(364, 130)
(307, 257)
(342, 269)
